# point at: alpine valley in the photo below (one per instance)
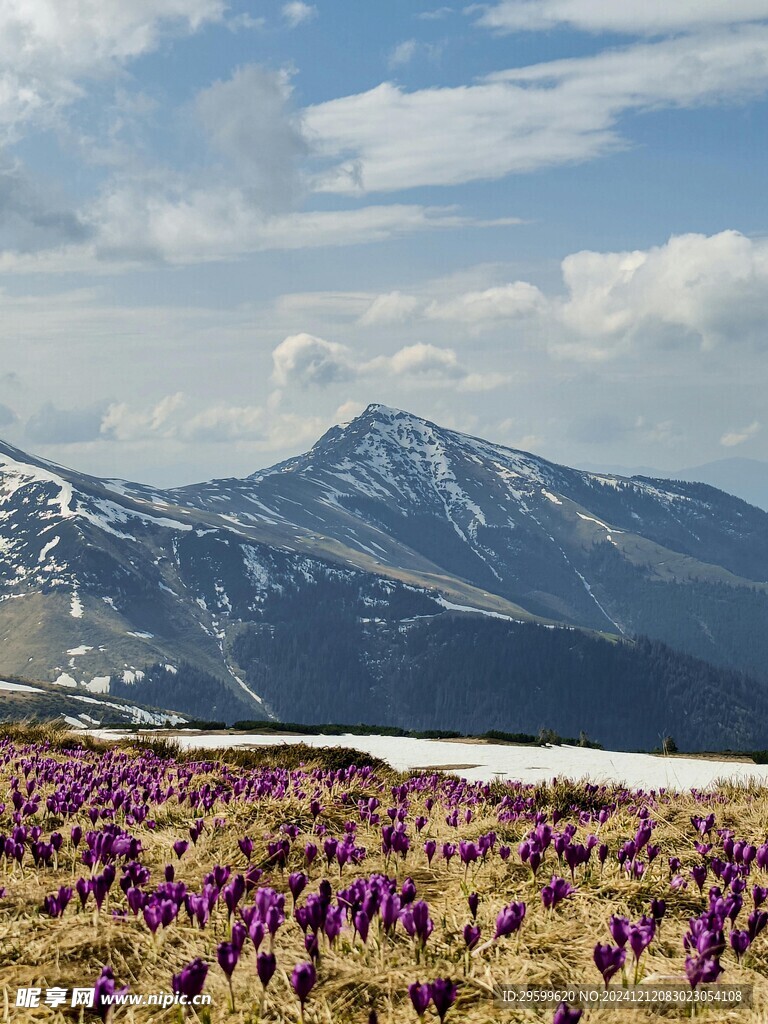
(397, 573)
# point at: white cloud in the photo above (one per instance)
(695, 289)
(504, 302)
(296, 12)
(735, 437)
(634, 17)
(392, 308)
(303, 360)
(48, 47)
(124, 422)
(525, 118)
(349, 410)
(178, 419)
(403, 53)
(181, 226)
(423, 365)
(419, 361)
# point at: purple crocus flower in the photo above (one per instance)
(152, 916)
(297, 882)
(641, 935)
(619, 928)
(190, 980)
(509, 920)
(417, 922)
(333, 923)
(227, 954)
(239, 933)
(266, 964)
(473, 900)
(608, 960)
(740, 942)
(702, 970)
(362, 924)
(389, 911)
(756, 922)
(83, 887)
(566, 1014)
(468, 852)
(554, 893)
(471, 935)
(180, 847)
(103, 992)
(303, 981)
(658, 910)
(421, 997)
(699, 875)
(408, 891)
(443, 992)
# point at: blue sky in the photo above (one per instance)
(225, 227)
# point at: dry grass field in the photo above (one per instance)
(381, 849)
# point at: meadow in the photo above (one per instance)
(298, 884)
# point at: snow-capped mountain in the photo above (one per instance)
(402, 493)
(317, 583)
(96, 585)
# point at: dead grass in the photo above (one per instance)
(552, 947)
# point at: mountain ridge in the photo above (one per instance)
(399, 523)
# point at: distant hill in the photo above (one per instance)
(746, 478)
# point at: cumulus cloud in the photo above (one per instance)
(296, 12)
(424, 365)
(250, 122)
(526, 118)
(633, 17)
(420, 361)
(303, 360)
(123, 422)
(736, 437)
(695, 289)
(51, 425)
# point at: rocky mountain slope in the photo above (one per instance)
(682, 562)
(208, 595)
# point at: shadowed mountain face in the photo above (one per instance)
(393, 524)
